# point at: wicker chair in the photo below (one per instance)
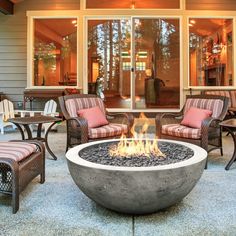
(20, 162)
(208, 136)
(77, 127)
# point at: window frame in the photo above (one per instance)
(30, 45)
(215, 16)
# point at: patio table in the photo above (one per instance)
(230, 126)
(25, 122)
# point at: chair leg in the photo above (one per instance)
(206, 163)
(15, 191)
(15, 202)
(221, 151)
(42, 177)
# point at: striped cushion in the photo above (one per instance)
(181, 131)
(75, 104)
(233, 99)
(16, 150)
(110, 130)
(220, 93)
(214, 105)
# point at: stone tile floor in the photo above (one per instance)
(58, 207)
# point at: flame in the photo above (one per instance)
(139, 145)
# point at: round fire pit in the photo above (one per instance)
(134, 189)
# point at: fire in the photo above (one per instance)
(139, 145)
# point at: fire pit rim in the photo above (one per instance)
(73, 156)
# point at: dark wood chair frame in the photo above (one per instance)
(15, 176)
(211, 133)
(77, 127)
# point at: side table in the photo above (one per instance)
(230, 126)
(25, 122)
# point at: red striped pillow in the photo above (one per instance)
(94, 116)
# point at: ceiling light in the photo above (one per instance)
(74, 21)
(189, 24)
(192, 21)
(133, 5)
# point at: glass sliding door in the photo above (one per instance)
(109, 61)
(157, 63)
(139, 69)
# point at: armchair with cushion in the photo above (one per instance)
(208, 134)
(80, 117)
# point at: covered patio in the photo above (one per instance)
(58, 207)
(122, 58)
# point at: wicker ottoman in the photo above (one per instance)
(20, 162)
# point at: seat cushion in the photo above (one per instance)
(94, 116)
(181, 131)
(214, 105)
(16, 150)
(110, 130)
(194, 117)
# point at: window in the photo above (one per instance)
(55, 52)
(141, 66)
(126, 66)
(210, 52)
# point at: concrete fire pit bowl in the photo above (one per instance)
(136, 190)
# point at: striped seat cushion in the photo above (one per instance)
(221, 93)
(214, 105)
(75, 104)
(181, 131)
(16, 150)
(110, 130)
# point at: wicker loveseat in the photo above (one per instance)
(20, 162)
(208, 136)
(77, 127)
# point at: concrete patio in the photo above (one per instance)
(58, 207)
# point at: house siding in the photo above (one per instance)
(13, 46)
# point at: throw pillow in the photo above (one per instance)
(194, 117)
(94, 116)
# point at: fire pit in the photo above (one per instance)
(136, 184)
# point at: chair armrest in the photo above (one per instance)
(208, 123)
(83, 125)
(127, 116)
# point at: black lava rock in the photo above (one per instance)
(99, 154)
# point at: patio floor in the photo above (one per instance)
(58, 207)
